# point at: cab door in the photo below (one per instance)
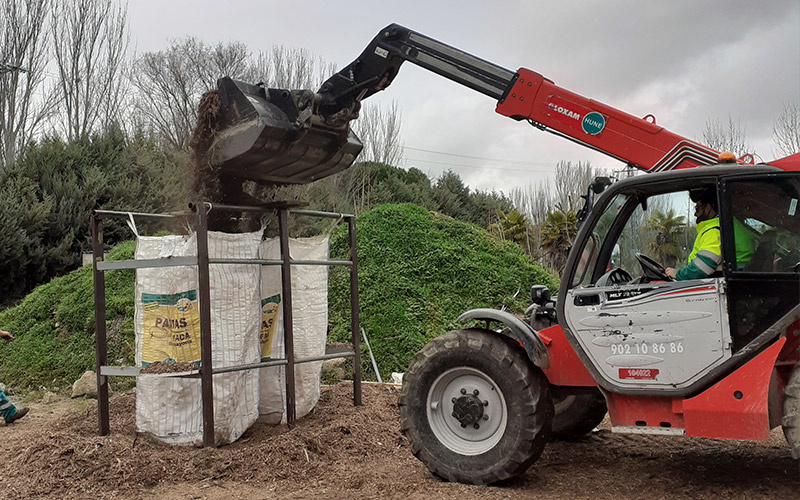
(637, 332)
(763, 277)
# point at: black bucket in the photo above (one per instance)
(272, 136)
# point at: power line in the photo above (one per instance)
(483, 167)
(513, 162)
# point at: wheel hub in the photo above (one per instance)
(468, 410)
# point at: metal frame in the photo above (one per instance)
(202, 261)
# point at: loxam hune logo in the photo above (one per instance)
(593, 123)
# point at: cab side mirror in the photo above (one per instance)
(540, 294)
(600, 184)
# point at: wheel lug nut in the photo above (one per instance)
(486, 403)
(477, 426)
(486, 417)
(463, 425)
(475, 392)
(463, 391)
(453, 400)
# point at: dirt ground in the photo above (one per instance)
(342, 451)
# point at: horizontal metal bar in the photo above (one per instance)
(265, 208)
(252, 366)
(321, 262)
(134, 371)
(143, 263)
(335, 355)
(277, 262)
(119, 371)
(263, 262)
(116, 213)
(316, 213)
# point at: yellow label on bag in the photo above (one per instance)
(269, 315)
(171, 330)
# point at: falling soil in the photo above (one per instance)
(342, 451)
(206, 182)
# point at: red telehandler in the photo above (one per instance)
(715, 357)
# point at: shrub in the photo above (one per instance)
(417, 272)
(54, 327)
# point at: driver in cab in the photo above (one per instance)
(706, 256)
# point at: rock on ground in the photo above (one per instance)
(85, 386)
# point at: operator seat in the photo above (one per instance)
(763, 258)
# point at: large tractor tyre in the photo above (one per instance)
(474, 408)
(576, 415)
(791, 412)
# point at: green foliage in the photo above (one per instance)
(367, 184)
(558, 232)
(511, 226)
(669, 231)
(54, 327)
(47, 197)
(417, 272)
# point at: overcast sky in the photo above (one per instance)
(684, 61)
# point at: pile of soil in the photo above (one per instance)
(342, 451)
(159, 367)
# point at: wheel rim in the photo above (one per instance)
(467, 411)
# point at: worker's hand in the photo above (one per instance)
(670, 272)
(5, 335)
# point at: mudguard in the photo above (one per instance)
(517, 330)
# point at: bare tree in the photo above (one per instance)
(169, 83)
(23, 57)
(730, 136)
(290, 68)
(90, 39)
(379, 130)
(169, 86)
(562, 195)
(786, 129)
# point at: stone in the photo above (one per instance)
(85, 386)
(333, 370)
(49, 398)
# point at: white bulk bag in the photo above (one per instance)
(310, 323)
(170, 408)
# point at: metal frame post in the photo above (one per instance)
(288, 324)
(204, 306)
(354, 315)
(100, 353)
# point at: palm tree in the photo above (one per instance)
(511, 226)
(668, 229)
(558, 231)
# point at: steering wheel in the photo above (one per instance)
(617, 276)
(652, 270)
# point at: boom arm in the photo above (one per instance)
(522, 95)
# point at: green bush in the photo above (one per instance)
(54, 327)
(417, 272)
(47, 195)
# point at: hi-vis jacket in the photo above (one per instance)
(706, 256)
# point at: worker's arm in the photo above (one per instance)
(705, 261)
